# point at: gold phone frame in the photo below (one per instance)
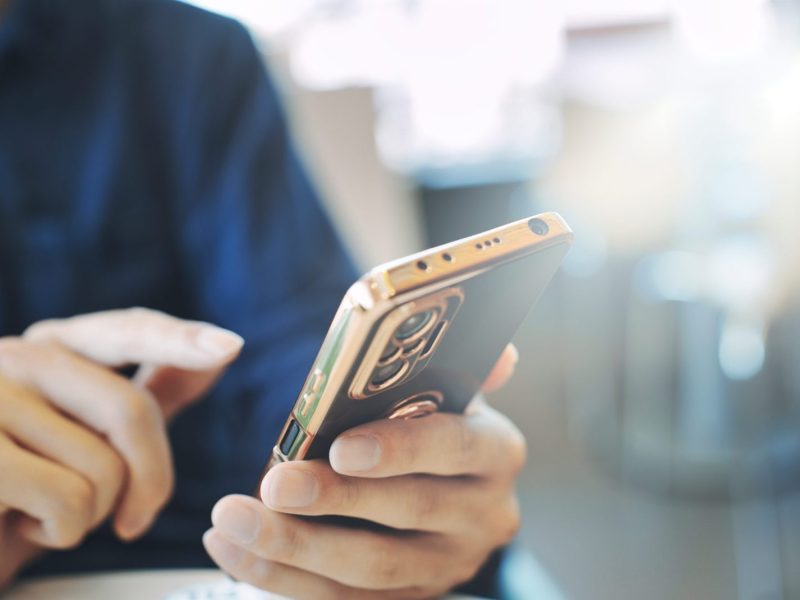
(384, 289)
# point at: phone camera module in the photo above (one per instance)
(386, 373)
(414, 324)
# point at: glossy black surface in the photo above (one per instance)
(495, 303)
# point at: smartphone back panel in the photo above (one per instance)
(421, 334)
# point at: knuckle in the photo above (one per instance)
(261, 571)
(71, 511)
(47, 350)
(384, 566)
(79, 500)
(467, 443)
(21, 354)
(289, 541)
(388, 571)
(517, 450)
(405, 442)
(399, 441)
(348, 495)
(110, 468)
(425, 504)
(137, 411)
(37, 329)
(475, 518)
(66, 536)
(188, 331)
(138, 321)
(153, 478)
(141, 313)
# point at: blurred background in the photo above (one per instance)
(660, 386)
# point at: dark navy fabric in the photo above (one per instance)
(144, 161)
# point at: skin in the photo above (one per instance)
(444, 484)
(79, 443)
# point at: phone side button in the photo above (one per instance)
(289, 438)
(306, 402)
(317, 379)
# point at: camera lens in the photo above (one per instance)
(387, 372)
(388, 352)
(413, 324)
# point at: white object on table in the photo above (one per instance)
(187, 584)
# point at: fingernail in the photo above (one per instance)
(514, 354)
(226, 553)
(291, 488)
(218, 342)
(238, 522)
(355, 453)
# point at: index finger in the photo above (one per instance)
(482, 442)
(502, 370)
(111, 405)
(141, 335)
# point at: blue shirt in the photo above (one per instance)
(144, 161)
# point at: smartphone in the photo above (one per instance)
(420, 334)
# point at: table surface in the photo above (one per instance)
(191, 584)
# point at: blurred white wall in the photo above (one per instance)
(375, 209)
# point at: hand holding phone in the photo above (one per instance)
(439, 489)
(419, 335)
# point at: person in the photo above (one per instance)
(145, 162)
